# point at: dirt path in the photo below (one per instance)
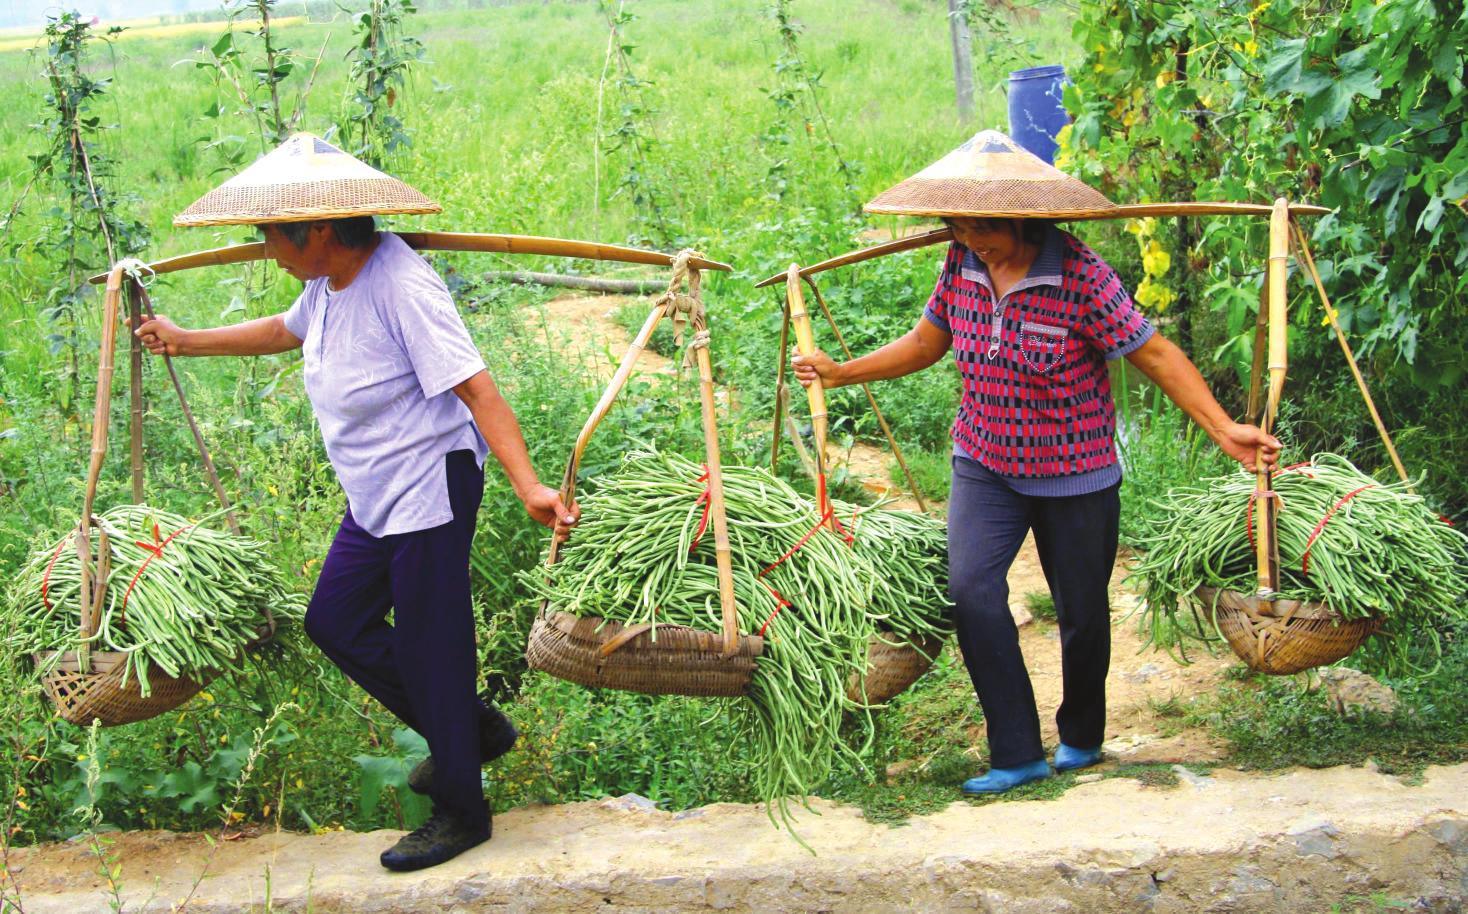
(1141, 682)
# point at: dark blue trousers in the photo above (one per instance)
(422, 667)
(1076, 537)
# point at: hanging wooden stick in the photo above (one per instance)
(1253, 412)
(781, 395)
(1340, 335)
(183, 402)
(723, 556)
(912, 485)
(1277, 275)
(603, 406)
(815, 394)
(135, 392)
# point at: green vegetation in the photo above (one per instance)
(1272, 723)
(1362, 548)
(750, 131)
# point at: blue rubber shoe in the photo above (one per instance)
(1069, 758)
(999, 780)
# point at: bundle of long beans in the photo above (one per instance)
(910, 552)
(180, 597)
(637, 556)
(1359, 546)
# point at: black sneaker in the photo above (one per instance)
(497, 735)
(443, 837)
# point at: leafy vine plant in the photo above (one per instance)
(796, 96)
(1355, 104)
(251, 72)
(383, 58)
(634, 135)
(87, 223)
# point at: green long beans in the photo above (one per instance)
(1382, 551)
(180, 598)
(637, 557)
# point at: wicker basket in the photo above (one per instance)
(94, 690)
(891, 669)
(1281, 637)
(682, 661)
(99, 694)
(596, 652)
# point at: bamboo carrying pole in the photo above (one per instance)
(1129, 211)
(1277, 275)
(480, 242)
(1340, 335)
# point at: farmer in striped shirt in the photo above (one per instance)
(1032, 316)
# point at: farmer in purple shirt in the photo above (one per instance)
(408, 412)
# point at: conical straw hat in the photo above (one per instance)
(992, 176)
(304, 178)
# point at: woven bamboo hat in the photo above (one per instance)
(992, 176)
(304, 178)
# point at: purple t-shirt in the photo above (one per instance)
(380, 358)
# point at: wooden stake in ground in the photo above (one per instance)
(963, 60)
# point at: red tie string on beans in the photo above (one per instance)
(1360, 546)
(636, 557)
(194, 598)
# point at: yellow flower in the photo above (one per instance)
(1331, 315)
(1155, 259)
(1154, 295)
(1251, 47)
(272, 490)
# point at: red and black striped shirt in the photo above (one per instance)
(1036, 394)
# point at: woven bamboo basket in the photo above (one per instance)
(87, 686)
(99, 694)
(673, 659)
(892, 668)
(1282, 637)
(1273, 635)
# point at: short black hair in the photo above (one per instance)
(352, 232)
(1031, 230)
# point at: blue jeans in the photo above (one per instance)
(1076, 537)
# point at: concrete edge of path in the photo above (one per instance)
(1300, 841)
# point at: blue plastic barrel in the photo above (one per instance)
(1036, 113)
